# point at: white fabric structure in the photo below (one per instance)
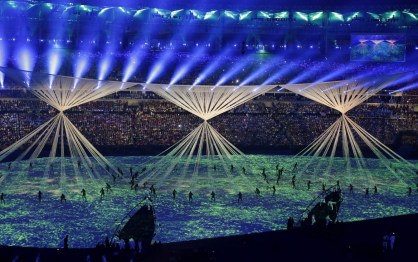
(62, 93)
(205, 102)
(344, 133)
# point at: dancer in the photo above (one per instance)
(257, 191)
(212, 196)
(274, 190)
(295, 166)
(39, 196)
(190, 196)
(63, 198)
(102, 193)
(294, 181)
(83, 194)
(174, 194)
(239, 197)
(2, 201)
(309, 184)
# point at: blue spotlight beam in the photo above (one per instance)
(81, 65)
(133, 63)
(262, 70)
(212, 67)
(234, 70)
(159, 66)
(185, 68)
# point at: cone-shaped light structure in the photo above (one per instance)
(344, 133)
(204, 141)
(62, 93)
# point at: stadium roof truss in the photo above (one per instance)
(62, 93)
(344, 133)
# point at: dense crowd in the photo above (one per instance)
(145, 120)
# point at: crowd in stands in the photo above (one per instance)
(145, 120)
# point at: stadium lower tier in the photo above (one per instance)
(26, 221)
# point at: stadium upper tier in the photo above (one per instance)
(280, 16)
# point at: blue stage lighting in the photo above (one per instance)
(3, 60)
(1, 79)
(158, 67)
(258, 73)
(234, 70)
(25, 58)
(105, 65)
(81, 65)
(216, 63)
(133, 63)
(54, 60)
(179, 74)
(184, 69)
(155, 72)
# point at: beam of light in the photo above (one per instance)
(233, 71)
(339, 72)
(158, 67)
(25, 58)
(185, 68)
(405, 88)
(216, 63)
(133, 63)
(104, 68)
(54, 62)
(310, 72)
(81, 65)
(2, 79)
(258, 73)
(3, 60)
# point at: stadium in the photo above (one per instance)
(207, 130)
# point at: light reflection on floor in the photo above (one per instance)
(25, 222)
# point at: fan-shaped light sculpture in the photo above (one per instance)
(204, 141)
(344, 133)
(62, 93)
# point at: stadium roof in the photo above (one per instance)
(241, 4)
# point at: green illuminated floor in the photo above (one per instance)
(25, 222)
